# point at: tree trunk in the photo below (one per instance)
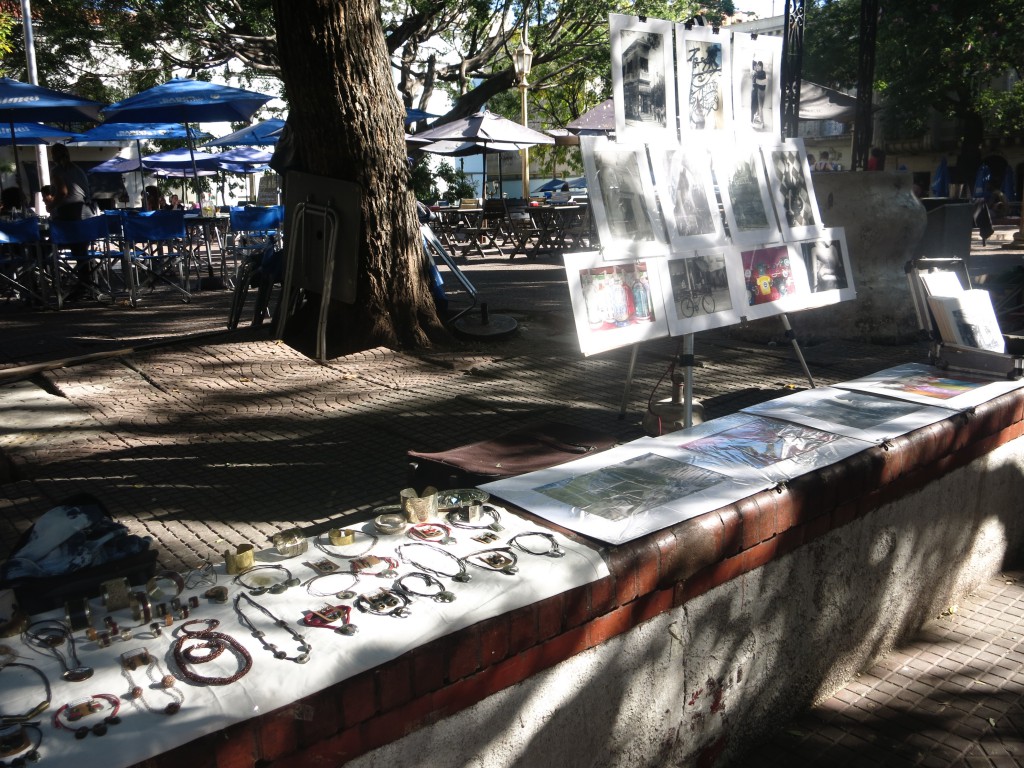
(347, 123)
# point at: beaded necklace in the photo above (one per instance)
(304, 648)
(190, 646)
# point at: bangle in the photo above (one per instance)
(553, 550)
(501, 559)
(76, 710)
(438, 532)
(116, 594)
(240, 560)
(460, 575)
(326, 616)
(290, 543)
(78, 613)
(274, 589)
(142, 609)
(156, 591)
(441, 596)
(384, 602)
(471, 516)
(325, 546)
(390, 522)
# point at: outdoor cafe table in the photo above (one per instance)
(555, 224)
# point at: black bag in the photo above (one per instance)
(70, 551)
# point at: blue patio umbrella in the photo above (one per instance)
(182, 159)
(244, 156)
(24, 102)
(185, 101)
(578, 183)
(263, 133)
(25, 134)
(413, 115)
(139, 131)
(550, 186)
(117, 165)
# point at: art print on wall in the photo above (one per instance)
(703, 291)
(743, 185)
(776, 282)
(643, 78)
(682, 177)
(623, 200)
(789, 177)
(756, 84)
(826, 261)
(614, 304)
(703, 62)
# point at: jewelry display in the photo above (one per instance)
(116, 594)
(75, 711)
(344, 594)
(391, 521)
(438, 532)
(486, 538)
(473, 516)
(442, 595)
(304, 648)
(245, 580)
(324, 566)
(370, 564)
(501, 559)
(48, 635)
(203, 576)
(326, 616)
(141, 657)
(461, 497)
(142, 609)
(384, 602)
(553, 550)
(165, 584)
(403, 551)
(418, 509)
(16, 738)
(42, 706)
(289, 543)
(201, 646)
(327, 546)
(216, 594)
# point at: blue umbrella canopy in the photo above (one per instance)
(34, 133)
(413, 115)
(182, 100)
(244, 156)
(263, 133)
(550, 186)
(26, 102)
(180, 159)
(117, 165)
(139, 131)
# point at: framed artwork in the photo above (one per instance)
(682, 177)
(926, 384)
(703, 61)
(614, 304)
(643, 79)
(757, 84)
(826, 261)
(775, 282)
(702, 292)
(742, 183)
(623, 200)
(789, 178)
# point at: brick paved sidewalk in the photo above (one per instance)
(951, 697)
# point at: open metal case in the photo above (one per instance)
(1005, 365)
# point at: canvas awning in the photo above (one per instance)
(820, 103)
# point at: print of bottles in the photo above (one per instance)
(616, 297)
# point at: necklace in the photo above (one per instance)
(460, 575)
(442, 595)
(470, 517)
(259, 589)
(438, 532)
(326, 616)
(339, 538)
(553, 550)
(74, 711)
(500, 559)
(138, 657)
(344, 594)
(38, 708)
(48, 635)
(304, 648)
(385, 602)
(190, 646)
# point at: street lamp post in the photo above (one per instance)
(522, 60)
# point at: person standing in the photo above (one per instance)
(72, 201)
(758, 86)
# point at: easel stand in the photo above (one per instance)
(684, 365)
(796, 348)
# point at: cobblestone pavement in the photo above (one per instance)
(205, 439)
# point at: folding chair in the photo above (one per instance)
(154, 242)
(21, 264)
(94, 233)
(250, 230)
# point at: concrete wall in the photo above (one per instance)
(703, 682)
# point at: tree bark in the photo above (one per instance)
(347, 123)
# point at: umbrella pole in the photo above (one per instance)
(17, 160)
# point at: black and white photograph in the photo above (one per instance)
(746, 202)
(789, 177)
(827, 264)
(703, 62)
(623, 199)
(703, 291)
(643, 78)
(756, 86)
(682, 177)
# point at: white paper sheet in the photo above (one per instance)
(927, 384)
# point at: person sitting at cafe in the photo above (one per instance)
(154, 198)
(174, 204)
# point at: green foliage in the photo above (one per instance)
(831, 40)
